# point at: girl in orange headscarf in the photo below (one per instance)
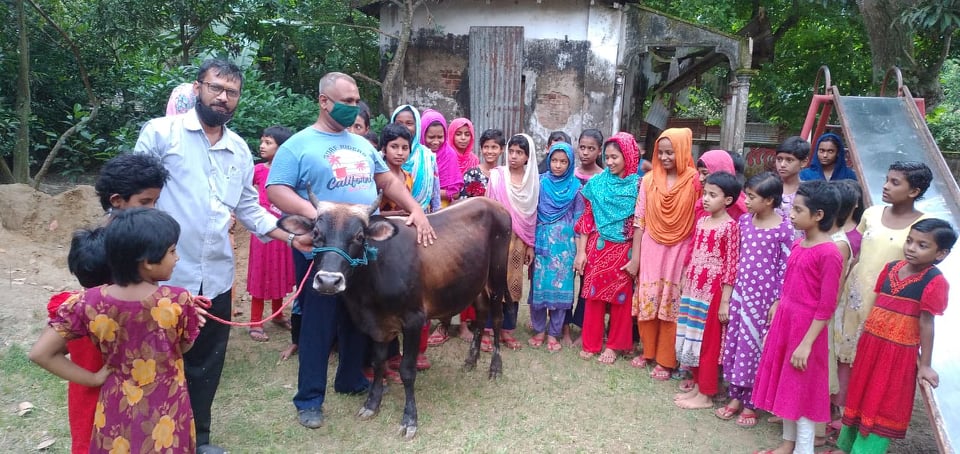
(663, 224)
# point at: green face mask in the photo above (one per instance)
(344, 115)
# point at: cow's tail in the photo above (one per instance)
(501, 230)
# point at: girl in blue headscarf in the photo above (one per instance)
(555, 248)
(829, 162)
(422, 163)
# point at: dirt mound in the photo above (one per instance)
(45, 218)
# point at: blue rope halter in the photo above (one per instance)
(368, 252)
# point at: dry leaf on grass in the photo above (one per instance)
(24, 408)
(46, 444)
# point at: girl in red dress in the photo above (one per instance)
(898, 331)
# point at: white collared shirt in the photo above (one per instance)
(206, 184)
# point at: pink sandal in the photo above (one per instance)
(660, 373)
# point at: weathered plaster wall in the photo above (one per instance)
(435, 74)
(569, 70)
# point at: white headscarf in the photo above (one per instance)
(520, 200)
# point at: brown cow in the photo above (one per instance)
(391, 285)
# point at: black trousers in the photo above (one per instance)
(204, 363)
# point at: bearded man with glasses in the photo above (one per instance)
(211, 177)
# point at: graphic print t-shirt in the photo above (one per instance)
(339, 167)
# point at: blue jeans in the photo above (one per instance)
(325, 320)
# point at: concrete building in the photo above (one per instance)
(536, 66)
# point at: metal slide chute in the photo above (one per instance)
(878, 131)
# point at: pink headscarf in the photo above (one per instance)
(466, 159)
(451, 178)
(182, 99)
(720, 161)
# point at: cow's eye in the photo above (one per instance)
(358, 237)
(317, 238)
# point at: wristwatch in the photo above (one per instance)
(290, 238)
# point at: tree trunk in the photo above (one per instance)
(891, 41)
(21, 151)
(94, 101)
(390, 91)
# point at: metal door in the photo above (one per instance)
(495, 74)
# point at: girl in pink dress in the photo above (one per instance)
(793, 378)
(142, 330)
(270, 269)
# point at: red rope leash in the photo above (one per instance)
(206, 305)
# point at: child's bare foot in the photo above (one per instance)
(465, 333)
(785, 448)
(288, 352)
(686, 395)
(567, 338)
(695, 402)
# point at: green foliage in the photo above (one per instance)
(828, 33)
(377, 123)
(701, 103)
(939, 15)
(944, 121)
(137, 51)
(266, 104)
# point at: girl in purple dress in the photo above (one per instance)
(765, 239)
(142, 329)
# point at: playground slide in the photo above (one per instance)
(880, 131)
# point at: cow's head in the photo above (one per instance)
(340, 239)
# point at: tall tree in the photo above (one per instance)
(21, 152)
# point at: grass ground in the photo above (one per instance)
(544, 403)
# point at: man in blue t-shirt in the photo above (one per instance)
(340, 167)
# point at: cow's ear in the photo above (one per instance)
(295, 224)
(380, 229)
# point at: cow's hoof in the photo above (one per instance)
(366, 413)
(408, 432)
(469, 367)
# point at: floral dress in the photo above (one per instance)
(712, 264)
(474, 183)
(143, 405)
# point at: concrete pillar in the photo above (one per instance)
(734, 129)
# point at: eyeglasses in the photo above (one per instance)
(217, 89)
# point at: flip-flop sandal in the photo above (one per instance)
(537, 340)
(747, 421)
(394, 362)
(660, 373)
(608, 357)
(392, 376)
(283, 323)
(510, 342)
(258, 335)
(422, 362)
(486, 343)
(726, 413)
(438, 338)
(687, 385)
(640, 362)
(554, 346)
